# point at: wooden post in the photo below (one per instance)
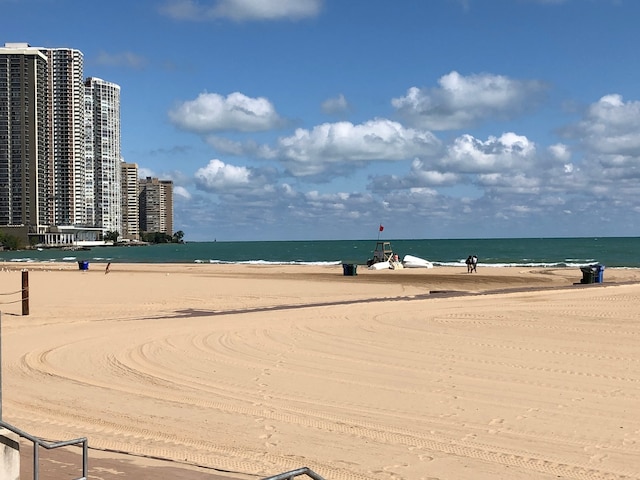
(25, 292)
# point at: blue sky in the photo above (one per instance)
(323, 119)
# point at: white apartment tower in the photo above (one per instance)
(130, 202)
(102, 185)
(65, 104)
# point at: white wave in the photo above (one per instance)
(265, 262)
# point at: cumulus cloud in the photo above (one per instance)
(181, 192)
(509, 164)
(218, 176)
(211, 112)
(419, 177)
(426, 175)
(339, 147)
(611, 126)
(461, 101)
(335, 105)
(560, 151)
(241, 10)
(471, 155)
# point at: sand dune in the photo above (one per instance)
(405, 374)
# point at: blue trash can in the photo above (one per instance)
(599, 277)
(83, 265)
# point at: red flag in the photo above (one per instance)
(381, 228)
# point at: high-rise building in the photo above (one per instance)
(60, 149)
(156, 206)
(66, 135)
(24, 138)
(102, 167)
(130, 202)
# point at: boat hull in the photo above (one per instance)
(409, 261)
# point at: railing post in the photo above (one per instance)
(85, 459)
(36, 461)
(25, 292)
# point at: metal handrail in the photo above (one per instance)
(38, 442)
(295, 473)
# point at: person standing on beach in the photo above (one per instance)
(468, 262)
(474, 263)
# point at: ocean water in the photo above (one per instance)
(618, 252)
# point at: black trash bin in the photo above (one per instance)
(588, 274)
(83, 265)
(349, 269)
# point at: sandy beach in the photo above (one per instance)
(243, 372)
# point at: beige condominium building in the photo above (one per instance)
(156, 205)
(130, 202)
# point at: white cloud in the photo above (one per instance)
(433, 177)
(335, 105)
(211, 112)
(181, 192)
(503, 179)
(218, 176)
(611, 126)
(339, 147)
(560, 151)
(241, 10)
(461, 101)
(471, 155)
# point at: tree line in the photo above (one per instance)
(148, 237)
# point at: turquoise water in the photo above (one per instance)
(611, 252)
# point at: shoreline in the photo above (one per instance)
(441, 278)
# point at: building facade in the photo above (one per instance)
(156, 206)
(65, 104)
(103, 146)
(25, 188)
(62, 178)
(130, 202)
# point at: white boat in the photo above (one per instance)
(379, 266)
(409, 261)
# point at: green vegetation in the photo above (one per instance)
(111, 236)
(159, 237)
(10, 242)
